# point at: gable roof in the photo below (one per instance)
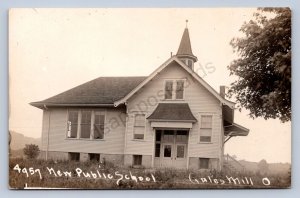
(100, 91)
(186, 68)
(172, 112)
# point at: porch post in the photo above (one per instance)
(187, 151)
(153, 152)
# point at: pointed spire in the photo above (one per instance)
(185, 44)
(185, 48)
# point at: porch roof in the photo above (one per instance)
(172, 112)
(235, 130)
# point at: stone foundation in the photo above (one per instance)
(127, 160)
(117, 159)
(146, 160)
(194, 163)
(54, 155)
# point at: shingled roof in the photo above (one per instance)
(172, 112)
(100, 91)
(185, 48)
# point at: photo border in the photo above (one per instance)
(6, 4)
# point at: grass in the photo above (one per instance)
(92, 175)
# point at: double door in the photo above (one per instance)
(174, 148)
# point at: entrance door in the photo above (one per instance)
(167, 155)
(173, 148)
(180, 155)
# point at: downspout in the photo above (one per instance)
(48, 131)
(125, 135)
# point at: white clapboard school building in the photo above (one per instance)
(171, 118)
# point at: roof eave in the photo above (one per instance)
(43, 105)
(242, 131)
(162, 120)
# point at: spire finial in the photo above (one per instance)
(186, 22)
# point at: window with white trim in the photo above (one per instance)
(179, 89)
(168, 89)
(99, 119)
(86, 120)
(174, 89)
(139, 126)
(85, 124)
(206, 128)
(72, 124)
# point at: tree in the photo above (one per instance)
(31, 151)
(263, 166)
(264, 65)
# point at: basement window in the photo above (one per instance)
(137, 160)
(74, 156)
(94, 157)
(204, 163)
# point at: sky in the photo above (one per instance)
(53, 50)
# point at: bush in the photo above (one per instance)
(31, 151)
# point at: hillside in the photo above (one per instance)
(18, 141)
(273, 168)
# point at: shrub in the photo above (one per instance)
(31, 151)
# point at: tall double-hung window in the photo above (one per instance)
(206, 128)
(85, 124)
(174, 89)
(139, 126)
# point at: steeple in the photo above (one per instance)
(184, 52)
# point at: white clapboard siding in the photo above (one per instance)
(113, 142)
(45, 129)
(199, 100)
(144, 147)
(211, 149)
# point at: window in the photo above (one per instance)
(137, 160)
(204, 163)
(89, 123)
(158, 135)
(139, 126)
(99, 119)
(168, 136)
(190, 63)
(72, 124)
(206, 128)
(86, 118)
(180, 151)
(168, 89)
(157, 150)
(179, 89)
(94, 157)
(181, 136)
(157, 142)
(167, 150)
(74, 156)
(174, 89)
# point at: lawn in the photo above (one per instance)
(29, 174)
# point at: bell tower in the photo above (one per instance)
(184, 52)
